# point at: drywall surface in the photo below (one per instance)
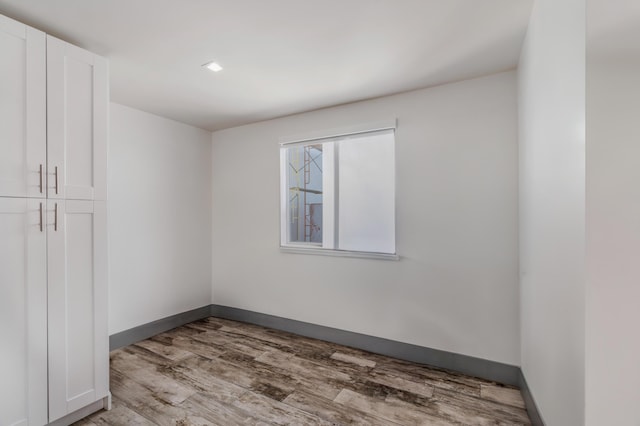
(613, 242)
(159, 215)
(552, 208)
(455, 287)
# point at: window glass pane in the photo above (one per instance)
(366, 193)
(304, 185)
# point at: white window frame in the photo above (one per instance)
(329, 202)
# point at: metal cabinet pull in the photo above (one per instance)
(41, 178)
(41, 226)
(56, 173)
(55, 217)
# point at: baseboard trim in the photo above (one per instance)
(144, 331)
(529, 402)
(478, 367)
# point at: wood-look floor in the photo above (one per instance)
(219, 372)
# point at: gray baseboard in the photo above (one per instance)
(490, 370)
(478, 367)
(529, 402)
(136, 334)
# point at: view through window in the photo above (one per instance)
(305, 193)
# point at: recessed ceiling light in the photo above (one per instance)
(213, 66)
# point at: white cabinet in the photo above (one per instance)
(78, 336)
(23, 125)
(76, 122)
(53, 117)
(54, 350)
(23, 312)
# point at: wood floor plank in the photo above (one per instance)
(144, 402)
(220, 369)
(362, 362)
(151, 357)
(170, 352)
(271, 340)
(124, 360)
(188, 330)
(432, 377)
(286, 342)
(229, 341)
(302, 366)
(258, 378)
(205, 383)
(162, 387)
(388, 410)
(382, 392)
(360, 353)
(332, 412)
(417, 388)
(317, 379)
(210, 323)
(502, 394)
(120, 415)
(277, 412)
(225, 413)
(191, 344)
(454, 402)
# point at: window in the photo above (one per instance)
(338, 194)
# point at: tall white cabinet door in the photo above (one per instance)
(23, 313)
(77, 100)
(78, 335)
(22, 110)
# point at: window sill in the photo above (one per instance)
(338, 253)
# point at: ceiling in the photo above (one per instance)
(280, 56)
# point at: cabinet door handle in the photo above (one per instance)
(56, 173)
(41, 178)
(55, 217)
(41, 227)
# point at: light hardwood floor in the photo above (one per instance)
(219, 372)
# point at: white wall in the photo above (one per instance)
(159, 214)
(552, 208)
(456, 285)
(613, 241)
